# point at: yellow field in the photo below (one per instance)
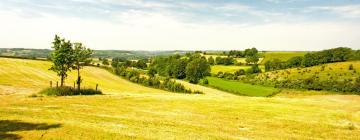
(30, 76)
(122, 114)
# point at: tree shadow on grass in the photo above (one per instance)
(8, 126)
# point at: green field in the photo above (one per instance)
(123, 113)
(280, 55)
(339, 71)
(231, 69)
(240, 88)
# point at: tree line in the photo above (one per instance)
(340, 54)
(192, 68)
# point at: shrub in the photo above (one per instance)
(351, 67)
(68, 91)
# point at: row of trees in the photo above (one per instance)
(67, 56)
(236, 75)
(193, 68)
(312, 59)
(119, 62)
(151, 81)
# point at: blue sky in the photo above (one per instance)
(183, 25)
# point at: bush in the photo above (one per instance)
(351, 67)
(68, 91)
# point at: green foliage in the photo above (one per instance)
(252, 56)
(68, 91)
(224, 60)
(240, 72)
(311, 59)
(197, 69)
(62, 57)
(236, 54)
(151, 81)
(105, 61)
(81, 56)
(211, 60)
(254, 69)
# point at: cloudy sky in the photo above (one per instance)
(182, 24)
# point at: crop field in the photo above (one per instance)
(24, 76)
(123, 113)
(240, 88)
(231, 68)
(283, 56)
(339, 71)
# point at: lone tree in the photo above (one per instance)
(62, 58)
(251, 56)
(197, 69)
(81, 56)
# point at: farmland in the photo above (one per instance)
(280, 55)
(339, 71)
(123, 113)
(241, 88)
(30, 76)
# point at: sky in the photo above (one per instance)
(277, 25)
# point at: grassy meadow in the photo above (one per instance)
(283, 56)
(122, 113)
(240, 88)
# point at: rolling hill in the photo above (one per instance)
(29, 76)
(123, 114)
(283, 56)
(338, 71)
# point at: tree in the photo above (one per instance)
(211, 60)
(105, 61)
(197, 69)
(81, 56)
(295, 61)
(240, 72)
(251, 56)
(254, 69)
(141, 64)
(252, 59)
(62, 58)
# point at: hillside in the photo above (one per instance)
(29, 76)
(283, 56)
(338, 71)
(153, 115)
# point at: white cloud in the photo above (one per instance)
(155, 31)
(348, 11)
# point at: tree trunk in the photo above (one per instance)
(78, 79)
(62, 81)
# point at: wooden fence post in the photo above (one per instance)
(50, 84)
(74, 85)
(57, 84)
(96, 87)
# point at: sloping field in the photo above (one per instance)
(339, 71)
(240, 88)
(29, 76)
(214, 115)
(283, 56)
